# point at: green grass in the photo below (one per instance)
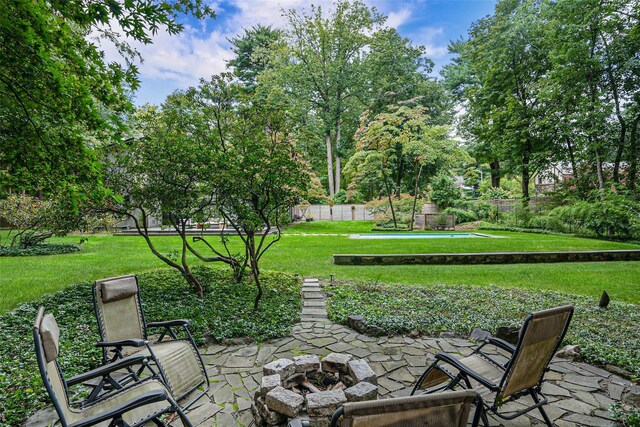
(25, 279)
(341, 227)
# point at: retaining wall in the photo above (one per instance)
(486, 258)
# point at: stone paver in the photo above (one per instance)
(579, 394)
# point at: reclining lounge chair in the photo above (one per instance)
(138, 403)
(522, 374)
(124, 332)
(440, 410)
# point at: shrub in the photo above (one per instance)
(382, 213)
(340, 198)
(484, 210)
(490, 193)
(226, 311)
(33, 220)
(42, 249)
(462, 215)
(444, 192)
(614, 215)
(354, 196)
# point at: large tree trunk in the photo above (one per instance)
(495, 173)
(327, 140)
(415, 198)
(633, 155)
(619, 116)
(599, 172)
(338, 165)
(338, 173)
(526, 174)
(572, 158)
(400, 173)
(393, 212)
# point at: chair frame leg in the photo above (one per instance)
(541, 409)
(485, 419)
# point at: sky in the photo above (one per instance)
(202, 49)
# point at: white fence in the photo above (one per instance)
(335, 213)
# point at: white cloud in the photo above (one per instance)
(182, 58)
(395, 19)
(431, 39)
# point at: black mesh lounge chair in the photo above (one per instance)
(440, 410)
(124, 332)
(521, 375)
(138, 403)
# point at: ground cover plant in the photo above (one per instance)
(605, 335)
(107, 256)
(42, 249)
(226, 311)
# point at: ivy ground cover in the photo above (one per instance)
(226, 311)
(606, 336)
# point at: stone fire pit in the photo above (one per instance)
(308, 388)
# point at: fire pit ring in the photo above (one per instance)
(309, 388)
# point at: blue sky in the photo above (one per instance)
(177, 62)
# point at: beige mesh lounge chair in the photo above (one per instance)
(437, 410)
(521, 375)
(134, 405)
(124, 332)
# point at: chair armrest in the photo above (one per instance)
(169, 323)
(446, 357)
(142, 400)
(103, 370)
(133, 342)
(501, 344)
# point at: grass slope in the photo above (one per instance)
(26, 278)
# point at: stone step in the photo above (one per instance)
(311, 288)
(314, 296)
(313, 318)
(314, 303)
(313, 311)
(311, 280)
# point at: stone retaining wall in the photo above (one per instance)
(486, 258)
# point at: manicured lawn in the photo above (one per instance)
(341, 227)
(25, 279)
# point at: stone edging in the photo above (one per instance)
(487, 257)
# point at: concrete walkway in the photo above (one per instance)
(580, 394)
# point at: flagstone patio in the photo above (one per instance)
(579, 394)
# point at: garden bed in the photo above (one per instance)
(225, 312)
(43, 249)
(606, 336)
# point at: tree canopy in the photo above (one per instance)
(59, 98)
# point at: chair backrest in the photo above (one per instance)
(450, 409)
(46, 336)
(118, 309)
(539, 339)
